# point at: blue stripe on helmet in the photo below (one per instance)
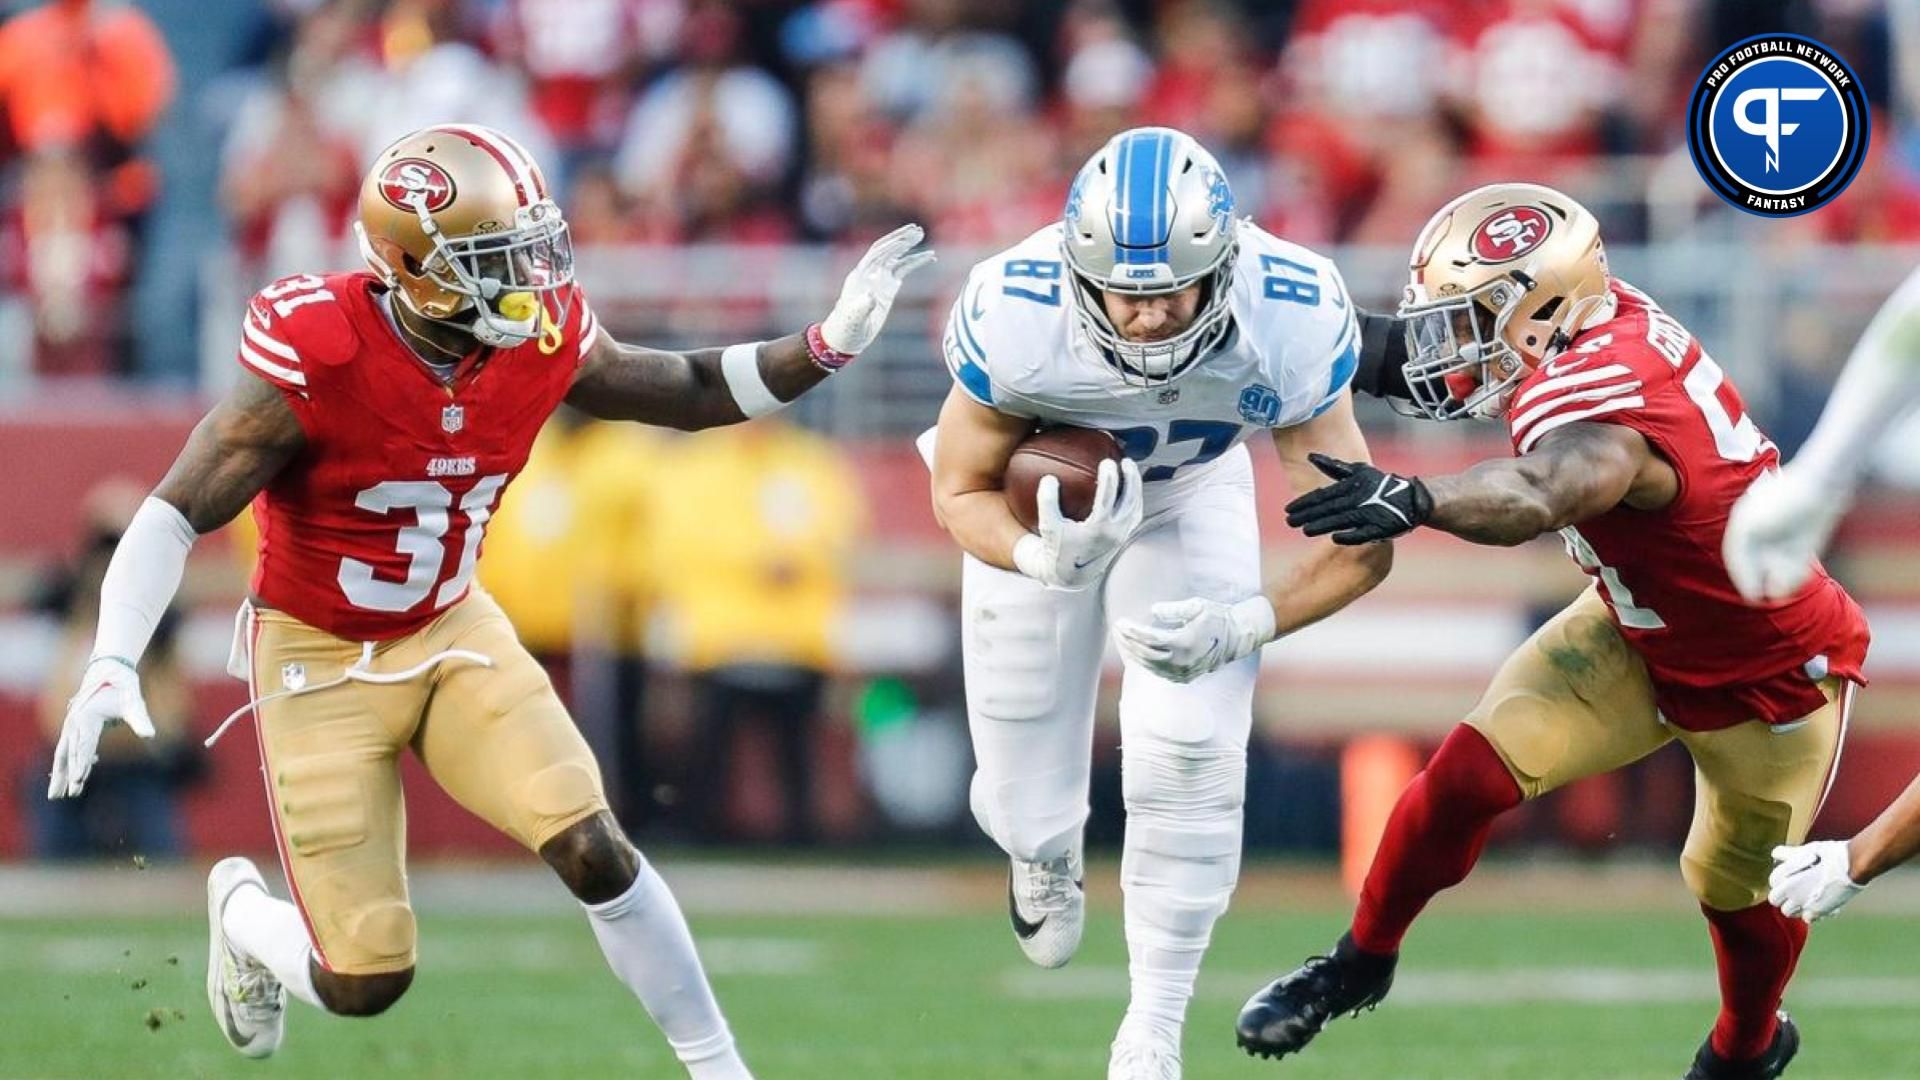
(1142, 223)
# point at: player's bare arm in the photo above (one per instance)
(233, 453)
(972, 446)
(1576, 473)
(1329, 576)
(725, 386)
(689, 390)
(1579, 471)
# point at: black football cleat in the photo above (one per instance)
(1708, 1065)
(1284, 1018)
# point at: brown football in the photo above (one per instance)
(1073, 454)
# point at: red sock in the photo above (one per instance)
(1433, 837)
(1756, 949)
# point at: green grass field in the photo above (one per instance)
(1482, 996)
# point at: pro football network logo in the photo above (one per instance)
(412, 180)
(1511, 233)
(1777, 125)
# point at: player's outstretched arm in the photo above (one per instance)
(1188, 638)
(1817, 879)
(1779, 526)
(1577, 472)
(709, 387)
(233, 453)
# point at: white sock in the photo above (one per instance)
(271, 932)
(1162, 984)
(649, 947)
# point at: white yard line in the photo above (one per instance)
(1516, 986)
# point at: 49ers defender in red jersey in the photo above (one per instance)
(1632, 444)
(376, 420)
(380, 529)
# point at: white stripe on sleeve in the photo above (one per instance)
(271, 344)
(1560, 420)
(1568, 382)
(265, 366)
(1524, 420)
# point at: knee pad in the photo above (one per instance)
(1013, 652)
(566, 791)
(382, 934)
(1182, 856)
(1729, 850)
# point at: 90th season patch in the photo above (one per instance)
(1777, 125)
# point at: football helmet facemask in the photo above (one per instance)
(456, 219)
(1151, 213)
(1502, 279)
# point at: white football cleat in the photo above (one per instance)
(1048, 904)
(1136, 1058)
(247, 1001)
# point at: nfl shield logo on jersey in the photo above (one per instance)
(293, 676)
(1169, 395)
(453, 418)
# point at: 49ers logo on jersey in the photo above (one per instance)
(411, 180)
(1511, 233)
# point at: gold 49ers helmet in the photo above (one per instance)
(456, 219)
(1503, 278)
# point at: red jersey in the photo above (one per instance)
(375, 527)
(1715, 659)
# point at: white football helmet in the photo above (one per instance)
(1150, 213)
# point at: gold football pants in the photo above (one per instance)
(1576, 700)
(495, 738)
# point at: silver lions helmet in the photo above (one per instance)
(1151, 213)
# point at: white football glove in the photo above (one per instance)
(1071, 555)
(109, 694)
(1189, 638)
(870, 288)
(1776, 531)
(1812, 881)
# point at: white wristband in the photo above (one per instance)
(740, 366)
(141, 579)
(1256, 615)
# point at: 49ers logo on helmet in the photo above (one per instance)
(411, 180)
(1511, 233)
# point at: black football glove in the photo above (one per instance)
(1362, 505)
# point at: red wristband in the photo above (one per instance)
(826, 359)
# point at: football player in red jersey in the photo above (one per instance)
(376, 418)
(1631, 443)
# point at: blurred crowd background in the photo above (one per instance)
(756, 626)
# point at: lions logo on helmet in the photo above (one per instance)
(457, 219)
(1151, 213)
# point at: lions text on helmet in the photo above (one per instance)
(457, 220)
(1502, 279)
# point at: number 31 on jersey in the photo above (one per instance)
(422, 542)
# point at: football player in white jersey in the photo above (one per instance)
(1773, 536)
(1153, 313)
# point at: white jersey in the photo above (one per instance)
(1013, 344)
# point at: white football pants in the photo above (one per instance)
(1033, 658)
